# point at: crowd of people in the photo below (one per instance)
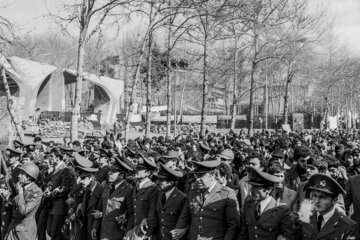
(272, 185)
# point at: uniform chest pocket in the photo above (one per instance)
(171, 212)
(215, 207)
(307, 233)
(269, 227)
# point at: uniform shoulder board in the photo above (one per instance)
(181, 193)
(225, 188)
(346, 220)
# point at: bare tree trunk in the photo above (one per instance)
(174, 103)
(182, 98)
(10, 108)
(286, 100)
(126, 98)
(233, 110)
(205, 87)
(134, 87)
(168, 85)
(148, 87)
(251, 108)
(75, 113)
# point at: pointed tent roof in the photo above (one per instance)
(25, 71)
(113, 87)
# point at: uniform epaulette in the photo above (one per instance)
(346, 220)
(225, 188)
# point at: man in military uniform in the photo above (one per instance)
(264, 218)
(104, 167)
(211, 210)
(144, 195)
(26, 202)
(113, 216)
(326, 222)
(169, 204)
(91, 198)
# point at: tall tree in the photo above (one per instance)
(205, 31)
(89, 16)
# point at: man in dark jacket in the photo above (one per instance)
(114, 215)
(91, 197)
(326, 222)
(264, 218)
(57, 192)
(144, 195)
(297, 173)
(169, 204)
(352, 197)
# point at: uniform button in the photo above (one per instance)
(202, 209)
(255, 236)
(200, 218)
(255, 227)
(162, 220)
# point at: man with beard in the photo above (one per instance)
(26, 202)
(169, 204)
(264, 218)
(211, 211)
(255, 161)
(355, 168)
(323, 220)
(91, 197)
(337, 171)
(297, 173)
(114, 212)
(281, 193)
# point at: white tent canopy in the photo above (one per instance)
(113, 88)
(29, 76)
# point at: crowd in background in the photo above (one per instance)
(272, 185)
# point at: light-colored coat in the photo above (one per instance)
(23, 225)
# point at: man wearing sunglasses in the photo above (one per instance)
(211, 210)
(264, 217)
(92, 193)
(255, 161)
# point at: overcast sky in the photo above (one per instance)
(29, 17)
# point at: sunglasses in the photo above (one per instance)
(199, 174)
